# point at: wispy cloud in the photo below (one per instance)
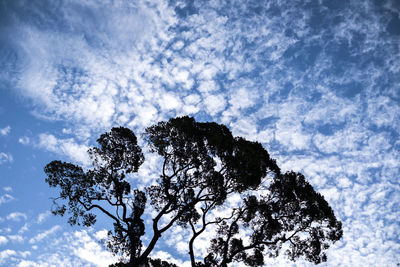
(6, 198)
(16, 238)
(39, 237)
(43, 216)
(16, 216)
(95, 66)
(5, 157)
(24, 228)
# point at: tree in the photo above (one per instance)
(203, 165)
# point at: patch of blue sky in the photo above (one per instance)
(349, 89)
(302, 55)
(393, 26)
(183, 10)
(329, 128)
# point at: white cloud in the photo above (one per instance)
(24, 140)
(24, 254)
(6, 230)
(67, 147)
(178, 45)
(51, 259)
(43, 216)
(245, 127)
(16, 216)
(6, 198)
(182, 76)
(5, 254)
(383, 111)
(292, 136)
(95, 69)
(102, 234)
(28, 263)
(169, 101)
(24, 228)
(3, 240)
(5, 131)
(206, 86)
(241, 98)
(169, 258)
(214, 103)
(16, 238)
(45, 234)
(88, 249)
(208, 73)
(349, 139)
(146, 115)
(5, 157)
(191, 104)
(331, 108)
(7, 188)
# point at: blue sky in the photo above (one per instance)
(316, 82)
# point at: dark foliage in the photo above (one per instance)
(203, 164)
(147, 263)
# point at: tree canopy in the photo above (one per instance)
(203, 165)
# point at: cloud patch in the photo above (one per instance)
(6, 158)
(5, 131)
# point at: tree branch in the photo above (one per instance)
(101, 209)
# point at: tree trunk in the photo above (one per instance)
(191, 252)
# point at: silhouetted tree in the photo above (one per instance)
(202, 165)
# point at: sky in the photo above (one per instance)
(316, 82)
